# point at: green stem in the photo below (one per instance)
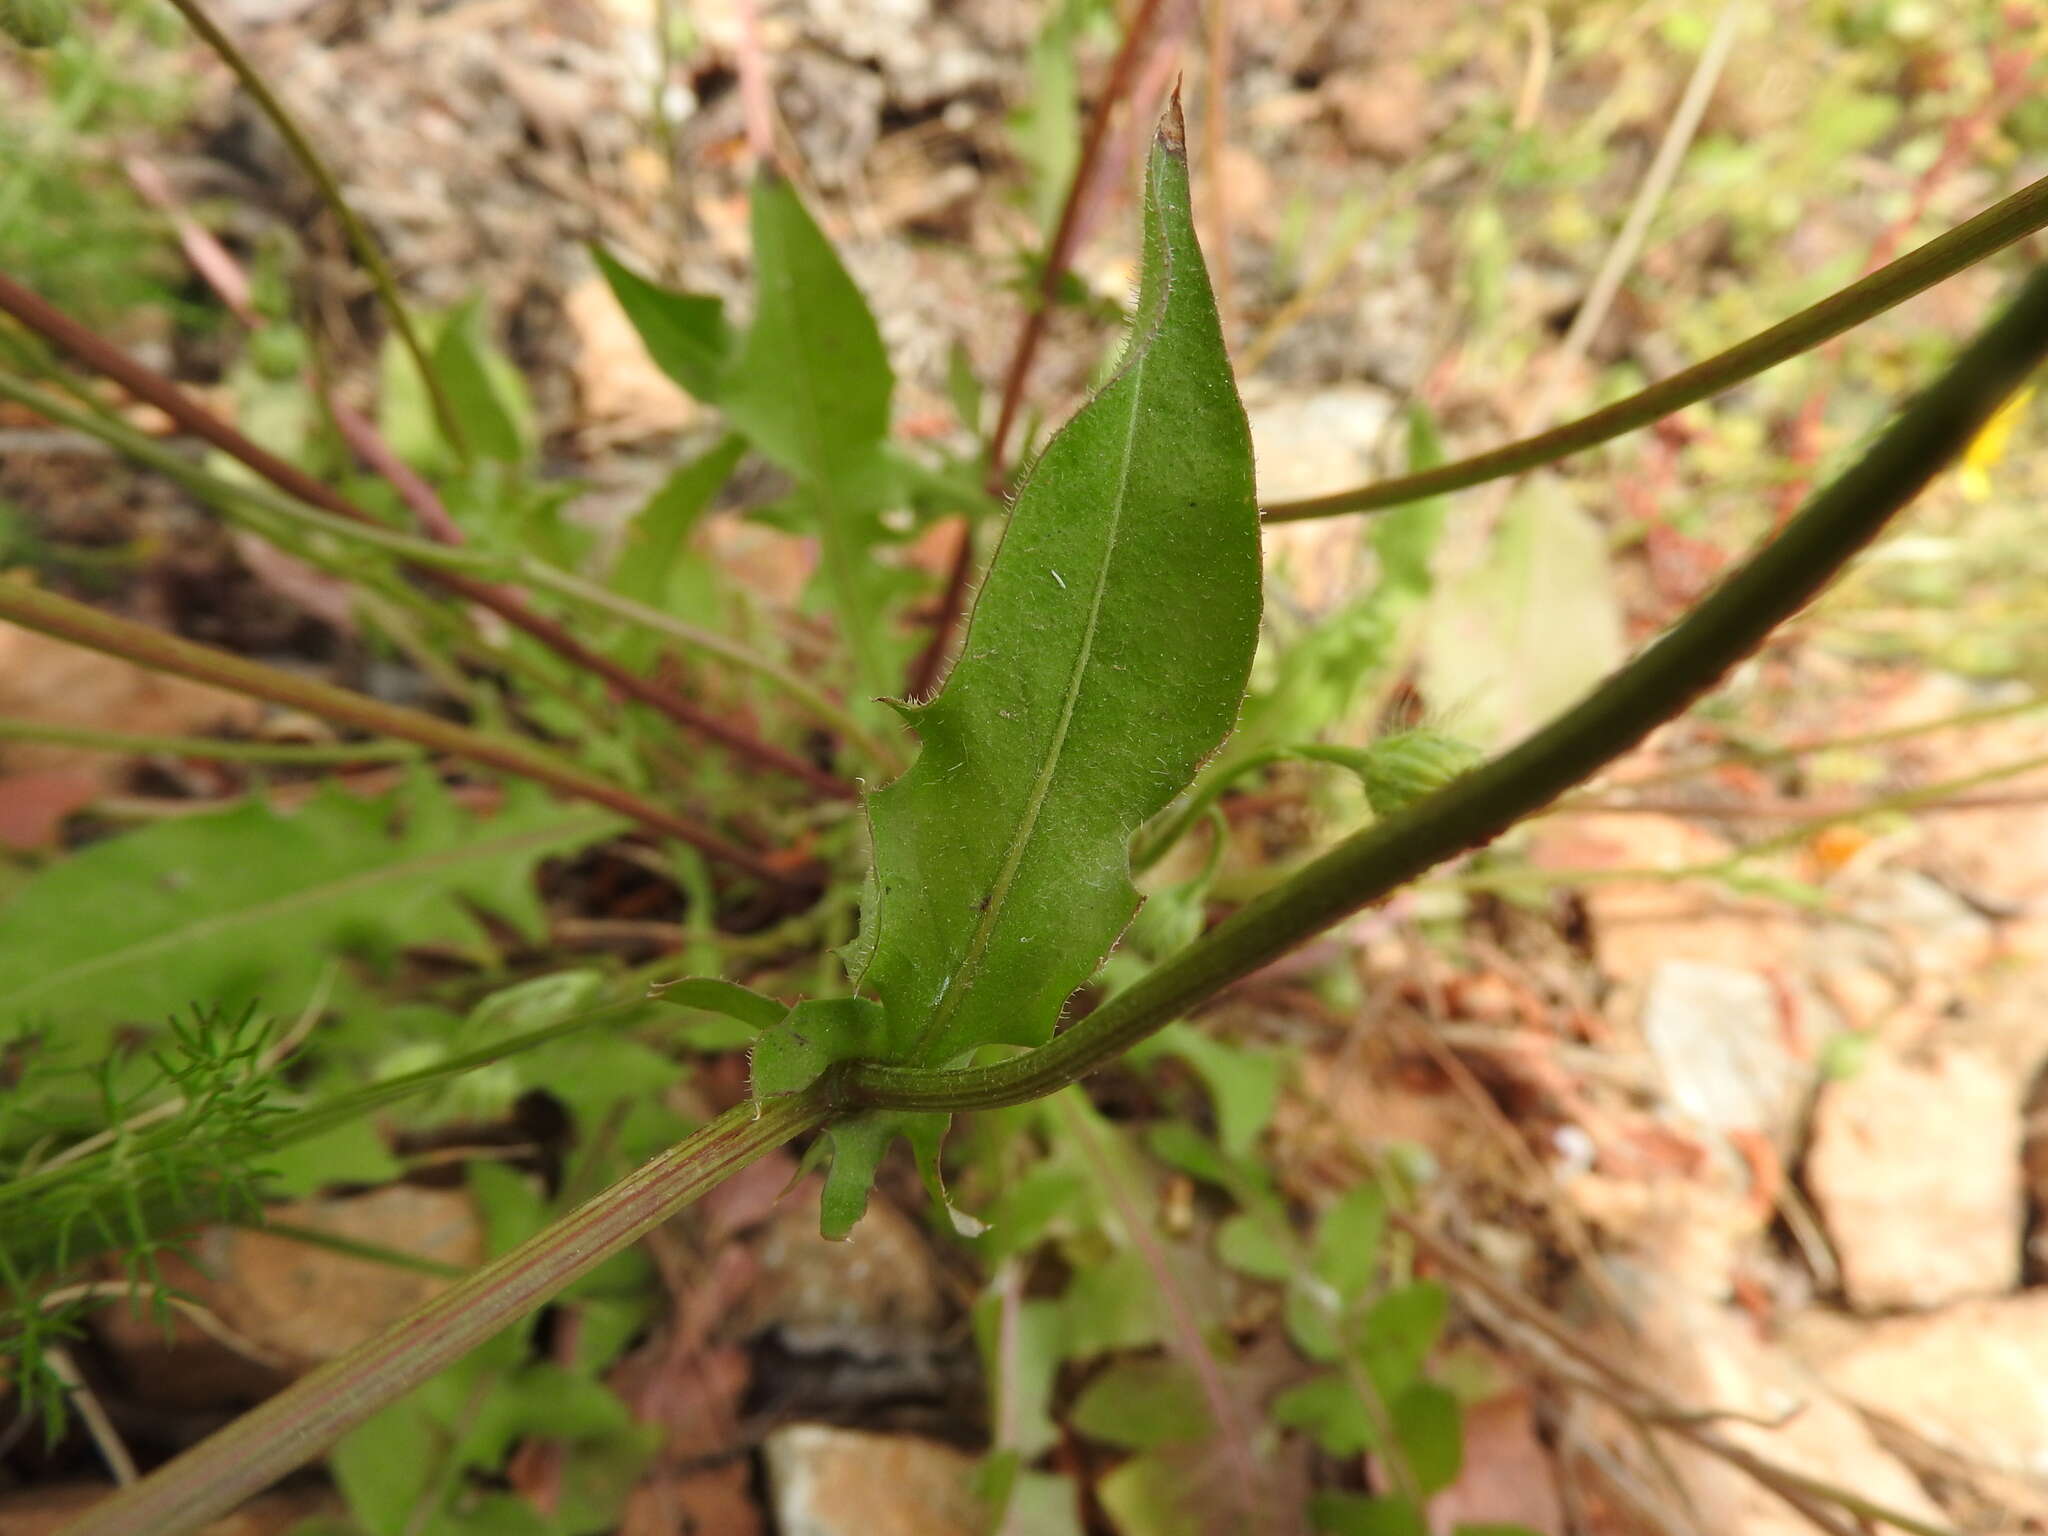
(300, 1422)
(1992, 230)
(216, 749)
(1659, 684)
(65, 620)
(329, 188)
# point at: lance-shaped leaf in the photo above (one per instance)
(1106, 658)
(808, 385)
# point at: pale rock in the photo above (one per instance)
(311, 1304)
(1639, 925)
(1700, 1355)
(1915, 1168)
(1311, 445)
(876, 1295)
(841, 1482)
(51, 682)
(1971, 1379)
(1941, 932)
(1718, 1035)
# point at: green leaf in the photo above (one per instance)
(483, 387)
(811, 382)
(963, 389)
(1352, 1514)
(1111, 1304)
(1175, 1491)
(1249, 1245)
(1243, 1084)
(1404, 539)
(1399, 1332)
(810, 386)
(1106, 659)
(254, 903)
(813, 1036)
(1347, 1250)
(728, 998)
(657, 537)
(685, 333)
(1328, 1410)
(1429, 1426)
(1142, 1404)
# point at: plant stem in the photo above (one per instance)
(25, 605)
(329, 188)
(303, 1420)
(429, 554)
(217, 749)
(143, 383)
(1992, 230)
(1656, 686)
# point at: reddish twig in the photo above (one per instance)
(62, 619)
(367, 444)
(924, 672)
(209, 258)
(146, 385)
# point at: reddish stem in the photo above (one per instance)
(63, 619)
(143, 383)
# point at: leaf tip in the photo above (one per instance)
(1173, 127)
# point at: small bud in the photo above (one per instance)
(35, 23)
(1403, 768)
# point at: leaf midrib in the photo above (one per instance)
(984, 928)
(211, 927)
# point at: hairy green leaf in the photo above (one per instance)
(1105, 660)
(255, 902)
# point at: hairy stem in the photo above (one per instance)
(324, 181)
(315, 1411)
(1656, 686)
(60, 617)
(145, 384)
(1992, 230)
